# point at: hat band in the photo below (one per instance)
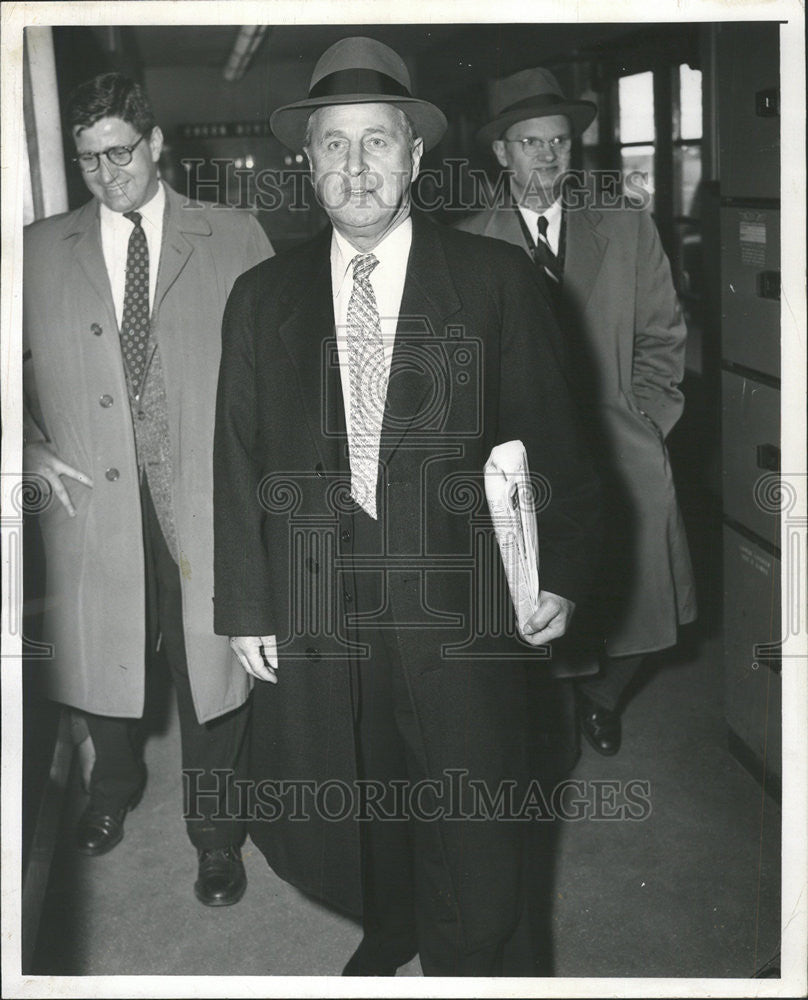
(358, 81)
(538, 101)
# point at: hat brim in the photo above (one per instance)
(289, 122)
(580, 113)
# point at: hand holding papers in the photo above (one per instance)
(509, 496)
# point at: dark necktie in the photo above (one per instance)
(543, 255)
(135, 321)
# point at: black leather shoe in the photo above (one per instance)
(222, 880)
(98, 831)
(600, 726)
(379, 956)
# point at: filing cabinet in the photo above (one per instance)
(750, 287)
(753, 688)
(749, 164)
(749, 110)
(750, 446)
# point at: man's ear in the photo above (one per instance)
(498, 146)
(416, 154)
(156, 143)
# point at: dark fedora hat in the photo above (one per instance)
(358, 71)
(532, 93)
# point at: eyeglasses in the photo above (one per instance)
(532, 143)
(119, 156)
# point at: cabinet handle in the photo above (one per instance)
(768, 285)
(768, 457)
(767, 103)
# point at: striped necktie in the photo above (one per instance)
(135, 321)
(543, 254)
(368, 375)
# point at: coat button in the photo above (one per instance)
(312, 565)
(112, 475)
(346, 535)
(318, 468)
(347, 597)
(105, 401)
(97, 329)
(313, 654)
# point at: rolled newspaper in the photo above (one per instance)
(507, 490)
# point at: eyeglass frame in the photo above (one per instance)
(106, 152)
(531, 142)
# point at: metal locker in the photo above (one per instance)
(753, 686)
(749, 110)
(750, 445)
(750, 287)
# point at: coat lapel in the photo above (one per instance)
(309, 337)
(584, 253)
(502, 224)
(180, 218)
(429, 298)
(88, 252)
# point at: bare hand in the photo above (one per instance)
(258, 655)
(550, 620)
(39, 459)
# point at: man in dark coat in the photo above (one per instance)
(612, 287)
(365, 378)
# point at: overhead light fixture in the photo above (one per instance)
(247, 41)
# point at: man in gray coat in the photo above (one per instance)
(123, 301)
(617, 309)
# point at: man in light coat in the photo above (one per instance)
(123, 300)
(617, 308)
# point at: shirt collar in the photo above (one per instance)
(394, 247)
(552, 214)
(151, 212)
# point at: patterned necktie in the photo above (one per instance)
(543, 255)
(368, 376)
(135, 321)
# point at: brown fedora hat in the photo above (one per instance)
(358, 71)
(532, 93)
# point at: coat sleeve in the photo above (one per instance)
(536, 407)
(241, 573)
(659, 333)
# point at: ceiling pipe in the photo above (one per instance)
(247, 41)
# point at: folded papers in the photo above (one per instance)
(510, 501)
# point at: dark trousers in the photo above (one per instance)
(607, 687)
(404, 873)
(218, 745)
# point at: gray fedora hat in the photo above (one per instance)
(358, 71)
(532, 93)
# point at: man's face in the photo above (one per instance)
(537, 170)
(121, 189)
(362, 167)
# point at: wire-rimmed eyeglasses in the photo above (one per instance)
(118, 156)
(533, 144)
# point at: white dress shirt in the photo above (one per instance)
(387, 281)
(115, 233)
(553, 216)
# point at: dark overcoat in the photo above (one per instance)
(75, 385)
(625, 339)
(473, 365)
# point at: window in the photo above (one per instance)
(636, 129)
